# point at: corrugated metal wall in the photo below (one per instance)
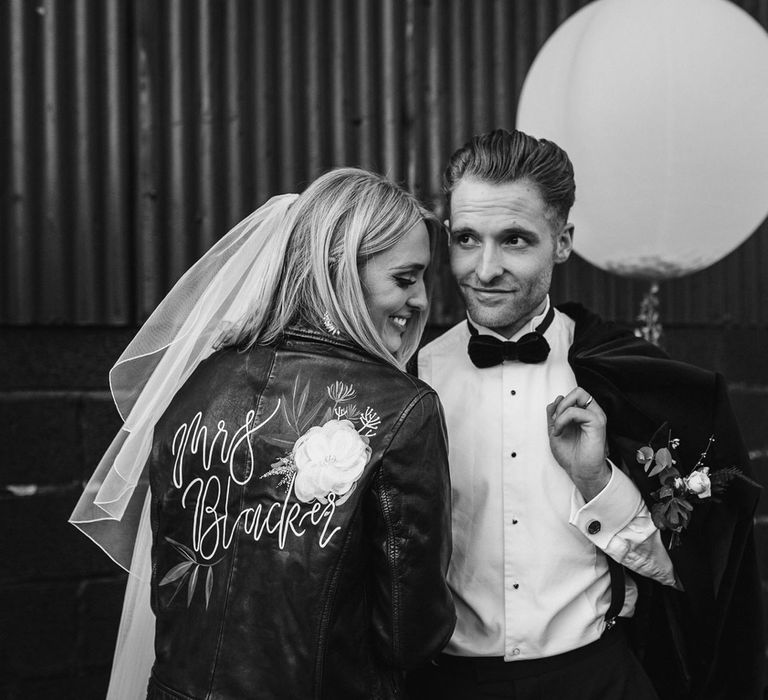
(135, 132)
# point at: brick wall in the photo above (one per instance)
(60, 596)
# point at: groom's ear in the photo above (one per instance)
(564, 244)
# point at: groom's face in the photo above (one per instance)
(504, 243)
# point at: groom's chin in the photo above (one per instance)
(489, 316)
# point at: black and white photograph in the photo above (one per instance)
(384, 349)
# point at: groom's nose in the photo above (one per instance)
(489, 266)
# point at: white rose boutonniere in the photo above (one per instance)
(674, 504)
(329, 459)
(698, 482)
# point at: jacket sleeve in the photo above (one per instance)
(412, 608)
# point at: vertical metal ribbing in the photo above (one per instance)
(340, 58)
(412, 112)
(137, 131)
(391, 47)
(438, 147)
(116, 258)
(521, 26)
(503, 43)
(234, 80)
(312, 89)
(265, 104)
(287, 82)
(19, 279)
(176, 212)
(481, 77)
(85, 229)
(209, 176)
(457, 67)
(366, 141)
(55, 272)
(147, 237)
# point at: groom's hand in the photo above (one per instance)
(576, 426)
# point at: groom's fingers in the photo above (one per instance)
(551, 409)
(575, 416)
(580, 399)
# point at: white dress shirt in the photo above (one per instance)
(527, 576)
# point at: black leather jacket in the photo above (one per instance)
(259, 593)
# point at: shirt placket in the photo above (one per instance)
(511, 462)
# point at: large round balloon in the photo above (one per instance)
(662, 106)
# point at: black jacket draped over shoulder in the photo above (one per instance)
(706, 642)
(261, 593)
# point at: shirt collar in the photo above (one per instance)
(527, 328)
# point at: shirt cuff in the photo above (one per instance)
(608, 512)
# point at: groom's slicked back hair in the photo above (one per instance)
(502, 156)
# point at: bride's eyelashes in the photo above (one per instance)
(405, 281)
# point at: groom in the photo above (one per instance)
(564, 585)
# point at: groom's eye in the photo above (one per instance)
(464, 239)
(516, 240)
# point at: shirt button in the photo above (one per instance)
(514, 454)
(514, 521)
(515, 586)
(515, 652)
(513, 392)
(594, 527)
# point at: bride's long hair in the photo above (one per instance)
(330, 232)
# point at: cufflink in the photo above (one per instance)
(594, 527)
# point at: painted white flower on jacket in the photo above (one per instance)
(328, 459)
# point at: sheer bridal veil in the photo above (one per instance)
(237, 276)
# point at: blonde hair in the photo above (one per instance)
(340, 221)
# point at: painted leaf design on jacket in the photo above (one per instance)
(182, 549)
(298, 410)
(179, 586)
(279, 440)
(309, 416)
(192, 584)
(176, 572)
(208, 586)
(188, 572)
(287, 416)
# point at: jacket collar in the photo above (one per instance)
(305, 332)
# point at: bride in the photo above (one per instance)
(279, 491)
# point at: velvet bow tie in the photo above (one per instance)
(487, 351)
